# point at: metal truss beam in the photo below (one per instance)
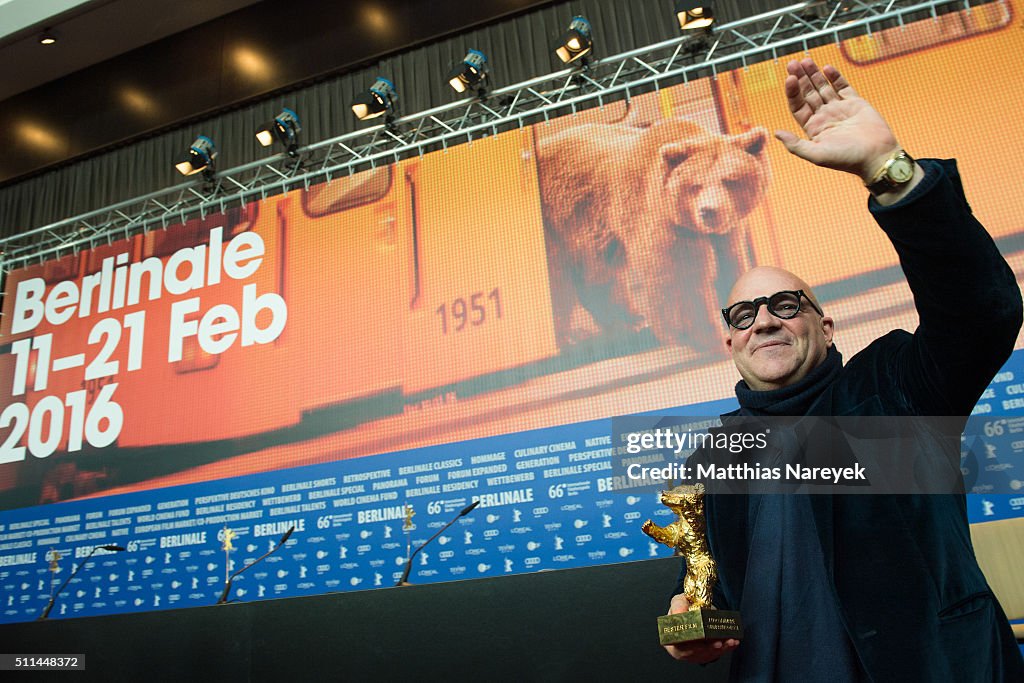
(728, 46)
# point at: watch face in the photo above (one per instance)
(901, 170)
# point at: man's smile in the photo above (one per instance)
(770, 343)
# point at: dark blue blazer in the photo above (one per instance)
(906, 583)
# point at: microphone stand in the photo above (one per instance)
(404, 581)
(227, 584)
(53, 599)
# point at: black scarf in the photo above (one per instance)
(795, 399)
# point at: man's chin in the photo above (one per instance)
(774, 375)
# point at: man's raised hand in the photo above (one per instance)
(844, 131)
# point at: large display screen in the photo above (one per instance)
(362, 359)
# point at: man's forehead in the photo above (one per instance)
(764, 281)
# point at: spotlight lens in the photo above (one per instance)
(377, 101)
(184, 167)
(457, 84)
(695, 17)
(265, 138)
(573, 43)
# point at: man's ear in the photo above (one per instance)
(728, 341)
(828, 327)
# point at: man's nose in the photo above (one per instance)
(764, 320)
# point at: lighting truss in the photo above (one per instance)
(727, 46)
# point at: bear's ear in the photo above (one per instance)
(675, 153)
(752, 142)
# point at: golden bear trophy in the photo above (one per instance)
(688, 536)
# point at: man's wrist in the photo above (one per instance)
(872, 169)
(896, 194)
(895, 170)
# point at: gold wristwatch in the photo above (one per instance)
(897, 171)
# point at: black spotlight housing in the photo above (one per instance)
(576, 43)
(379, 100)
(285, 129)
(694, 16)
(198, 158)
(471, 74)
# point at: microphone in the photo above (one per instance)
(53, 599)
(227, 584)
(404, 581)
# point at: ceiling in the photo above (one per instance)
(88, 32)
(122, 69)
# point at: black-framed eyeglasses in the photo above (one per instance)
(784, 304)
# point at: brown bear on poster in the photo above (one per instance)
(640, 222)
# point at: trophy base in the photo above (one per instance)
(699, 624)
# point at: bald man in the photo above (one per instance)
(865, 587)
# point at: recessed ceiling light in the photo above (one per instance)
(47, 37)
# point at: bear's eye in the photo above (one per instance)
(732, 184)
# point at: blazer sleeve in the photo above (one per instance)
(965, 293)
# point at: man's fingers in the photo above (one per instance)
(805, 149)
(819, 81)
(678, 604)
(788, 139)
(839, 82)
(678, 653)
(800, 110)
(806, 92)
(702, 652)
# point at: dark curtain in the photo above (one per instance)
(517, 49)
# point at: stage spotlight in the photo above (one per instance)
(576, 43)
(471, 73)
(694, 16)
(378, 100)
(199, 157)
(285, 129)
